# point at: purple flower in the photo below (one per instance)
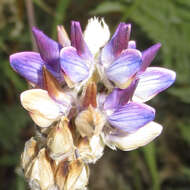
(116, 116)
(49, 105)
(78, 61)
(29, 64)
(119, 62)
(130, 124)
(123, 63)
(152, 80)
(125, 115)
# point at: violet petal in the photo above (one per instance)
(120, 97)
(131, 117)
(48, 48)
(78, 42)
(153, 81)
(117, 44)
(148, 55)
(73, 65)
(124, 67)
(28, 65)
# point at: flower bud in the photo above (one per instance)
(62, 35)
(96, 26)
(30, 151)
(61, 174)
(90, 122)
(60, 142)
(78, 176)
(72, 175)
(40, 173)
(91, 149)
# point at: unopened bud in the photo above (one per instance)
(96, 26)
(78, 176)
(90, 122)
(40, 173)
(62, 35)
(60, 142)
(91, 149)
(61, 174)
(30, 151)
(72, 175)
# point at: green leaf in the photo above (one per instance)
(183, 93)
(184, 128)
(150, 157)
(13, 119)
(20, 183)
(8, 160)
(13, 77)
(107, 7)
(60, 15)
(43, 5)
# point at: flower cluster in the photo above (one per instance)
(88, 92)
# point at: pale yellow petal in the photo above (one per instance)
(40, 120)
(91, 149)
(42, 108)
(39, 172)
(77, 176)
(61, 174)
(30, 151)
(90, 122)
(137, 139)
(60, 142)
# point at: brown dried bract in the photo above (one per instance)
(90, 95)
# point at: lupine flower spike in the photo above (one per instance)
(89, 92)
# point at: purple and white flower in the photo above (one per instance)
(79, 60)
(47, 106)
(90, 92)
(116, 116)
(123, 63)
(152, 80)
(29, 64)
(130, 124)
(119, 63)
(84, 61)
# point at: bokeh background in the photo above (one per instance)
(163, 164)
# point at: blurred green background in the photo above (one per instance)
(164, 164)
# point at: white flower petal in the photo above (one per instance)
(96, 34)
(91, 149)
(42, 108)
(135, 140)
(41, 120)
(153, 81)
